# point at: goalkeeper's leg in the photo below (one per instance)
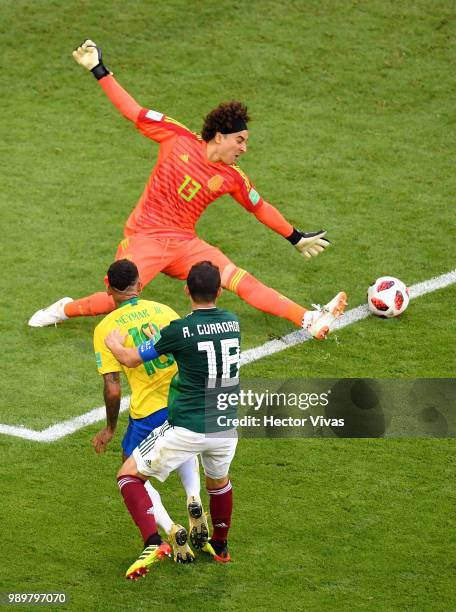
(316, 322)
(260, 296)
(148, 257)
(253, 291)
(90, 306)
(147, 253)
(239, 281)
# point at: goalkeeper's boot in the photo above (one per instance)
(318, 322)
(151, 554)
(51, 315)
(199, 529)
(182, 551)
(218, 550)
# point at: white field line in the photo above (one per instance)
(60, 430)
(351, 316)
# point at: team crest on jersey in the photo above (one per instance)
(215, 183)
(184, 157)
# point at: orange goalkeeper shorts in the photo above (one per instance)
(172, 256)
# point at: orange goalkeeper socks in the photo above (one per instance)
(90, 306)
(241, 282)
(264, 298)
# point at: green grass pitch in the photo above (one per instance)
(353, 130)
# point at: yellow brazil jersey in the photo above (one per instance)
(149, 383)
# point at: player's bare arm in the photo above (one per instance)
(125, 355)
(112, 394)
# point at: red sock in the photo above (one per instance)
(264, 298)
(138, 504)
(221, 507)
(90, 306)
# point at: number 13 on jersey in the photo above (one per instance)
(189, 188)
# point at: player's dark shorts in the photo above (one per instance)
(138, 429)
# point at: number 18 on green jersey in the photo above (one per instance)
(206, 347)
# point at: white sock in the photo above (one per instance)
(190, 477)
(162, 518)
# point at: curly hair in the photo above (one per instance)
(224, 119)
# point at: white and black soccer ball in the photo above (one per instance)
(387, 297)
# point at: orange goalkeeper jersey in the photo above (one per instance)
(184, 182)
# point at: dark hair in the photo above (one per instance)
(203, 282)
(122, 274)
(224, 119)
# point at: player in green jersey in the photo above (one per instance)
(206, 347)
(149, 384)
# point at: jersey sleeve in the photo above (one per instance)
(272, 218)
(244, 192)
(106, 362)
(147, 350)
(159, 127)
(121, 99)
(171, 338)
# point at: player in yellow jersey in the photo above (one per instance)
(149, 386)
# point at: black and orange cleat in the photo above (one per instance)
(218, 550)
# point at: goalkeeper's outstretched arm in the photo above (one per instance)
(89, 56)
(309, 244)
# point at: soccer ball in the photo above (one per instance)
(387, 297)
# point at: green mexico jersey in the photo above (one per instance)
(206, 346)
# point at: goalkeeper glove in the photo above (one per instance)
(89, 56)
(309, 244)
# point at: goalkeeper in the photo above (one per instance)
(191, 172)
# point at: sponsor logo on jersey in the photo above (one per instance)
(215, 183)
(254, 196)
(98, 360)
(154, 115)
